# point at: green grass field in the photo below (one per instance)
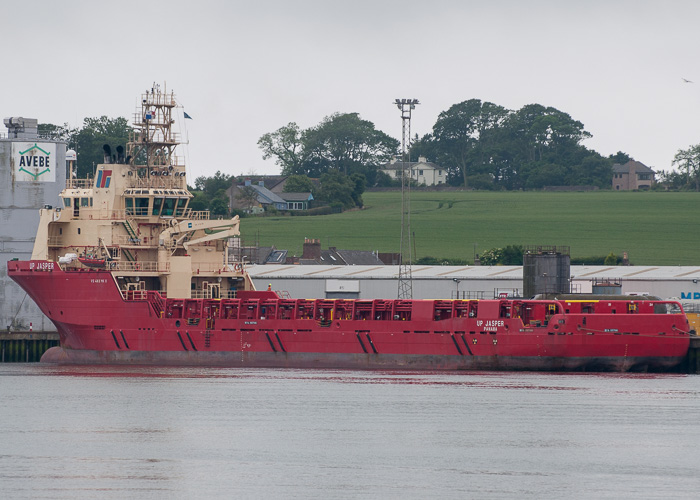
(655, 228)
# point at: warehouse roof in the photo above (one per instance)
(578, 273)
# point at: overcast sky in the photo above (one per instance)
(244, 68)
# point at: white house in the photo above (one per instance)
(422, 171)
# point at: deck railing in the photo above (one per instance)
(80, 183)
(125, 266)
(211, 267)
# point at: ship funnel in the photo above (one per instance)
(108, 153)
(120, 154)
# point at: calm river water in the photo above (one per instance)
(105, 432)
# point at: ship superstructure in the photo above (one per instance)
(132, 218)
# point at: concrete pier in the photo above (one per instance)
(25, 347)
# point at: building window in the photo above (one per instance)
(439, 172)
(420, 172)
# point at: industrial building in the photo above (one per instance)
(32, 174)
(431, 282)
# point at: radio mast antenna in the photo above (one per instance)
(405, 252)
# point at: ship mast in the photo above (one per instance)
(152, 142)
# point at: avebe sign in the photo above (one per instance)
(34, 162)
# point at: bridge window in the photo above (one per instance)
(181, 205)
(141, 206)
(169, 207)
(66, 202)
(157, 204)
(129, 205)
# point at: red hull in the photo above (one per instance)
(97, 325)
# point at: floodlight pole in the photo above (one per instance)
(405, 252)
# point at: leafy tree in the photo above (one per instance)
(218, 207)
(299, 184)
(286, 145)
(56, 132)
(463, 135)
(337, 189)
(95, 133)
(481, 182)
(89, 140)
(593, 170)
(543, 141)
(212, 185)
(359, 183)
(511, 255)
(620, 158)
(689, 161)
(491, 257)
(248, 197)
(671, 179)
(342, 142)
(549, 174)
(347, 143)
(610, 260)
(423, 146)
(200, 202)
(383, 179)
(210, 194)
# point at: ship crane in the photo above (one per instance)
(223, 229)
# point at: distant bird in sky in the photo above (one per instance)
(686, 81)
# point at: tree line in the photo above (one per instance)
(87, 141)
(486, 146)
(480, 144)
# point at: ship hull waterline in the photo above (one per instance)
(62, 356)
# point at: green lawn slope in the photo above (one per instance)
(655, 228)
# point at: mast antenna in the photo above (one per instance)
(405, 253)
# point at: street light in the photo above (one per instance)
(457, 281)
